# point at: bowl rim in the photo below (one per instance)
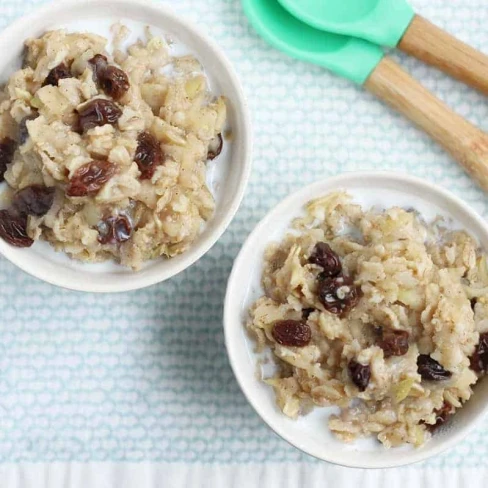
(230, 320)
(242, 110)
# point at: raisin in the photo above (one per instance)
(292, 333)
(148, 155)
(98, 112)
(75, 125)
(360, 374)
(98, 64)
(306, 312)
(89, 178)
(322, 255)
(112, 80)
(13, 229)
(473, 302)
(114, 229)
(441, 416)
(479, 359)
(430, 369)
(61, 71)
(338, 295)
(394, 343)
(23, 131)
(34, 200)
(7, 150)
(215, 147)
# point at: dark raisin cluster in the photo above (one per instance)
(148, 155)
(35, 200)
(98, 112)
(479, 360)
(360, 374)
(114, 230)
(292, 333)
(112, 80)
(430, 369)
(89, 178)
(336, 291)
(393, 342)
(60, 72)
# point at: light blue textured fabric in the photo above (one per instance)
(144, 375)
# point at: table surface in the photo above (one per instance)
(144, 376)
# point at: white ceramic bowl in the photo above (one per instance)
(227, 176)
(310, 433)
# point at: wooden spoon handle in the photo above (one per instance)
(467, 144)
(436, 47)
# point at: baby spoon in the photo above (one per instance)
(365, 63)
(394, 23)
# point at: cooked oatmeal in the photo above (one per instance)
(105, 154)
(376, 312)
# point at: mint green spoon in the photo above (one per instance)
(393, 23)
(349, 57)
(364, 63)
(380, 21)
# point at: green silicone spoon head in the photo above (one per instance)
(349, 57)
(380, 21)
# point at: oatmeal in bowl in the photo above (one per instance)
(377, 312)
(105, 153)
(356, 319)
(159, 194)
